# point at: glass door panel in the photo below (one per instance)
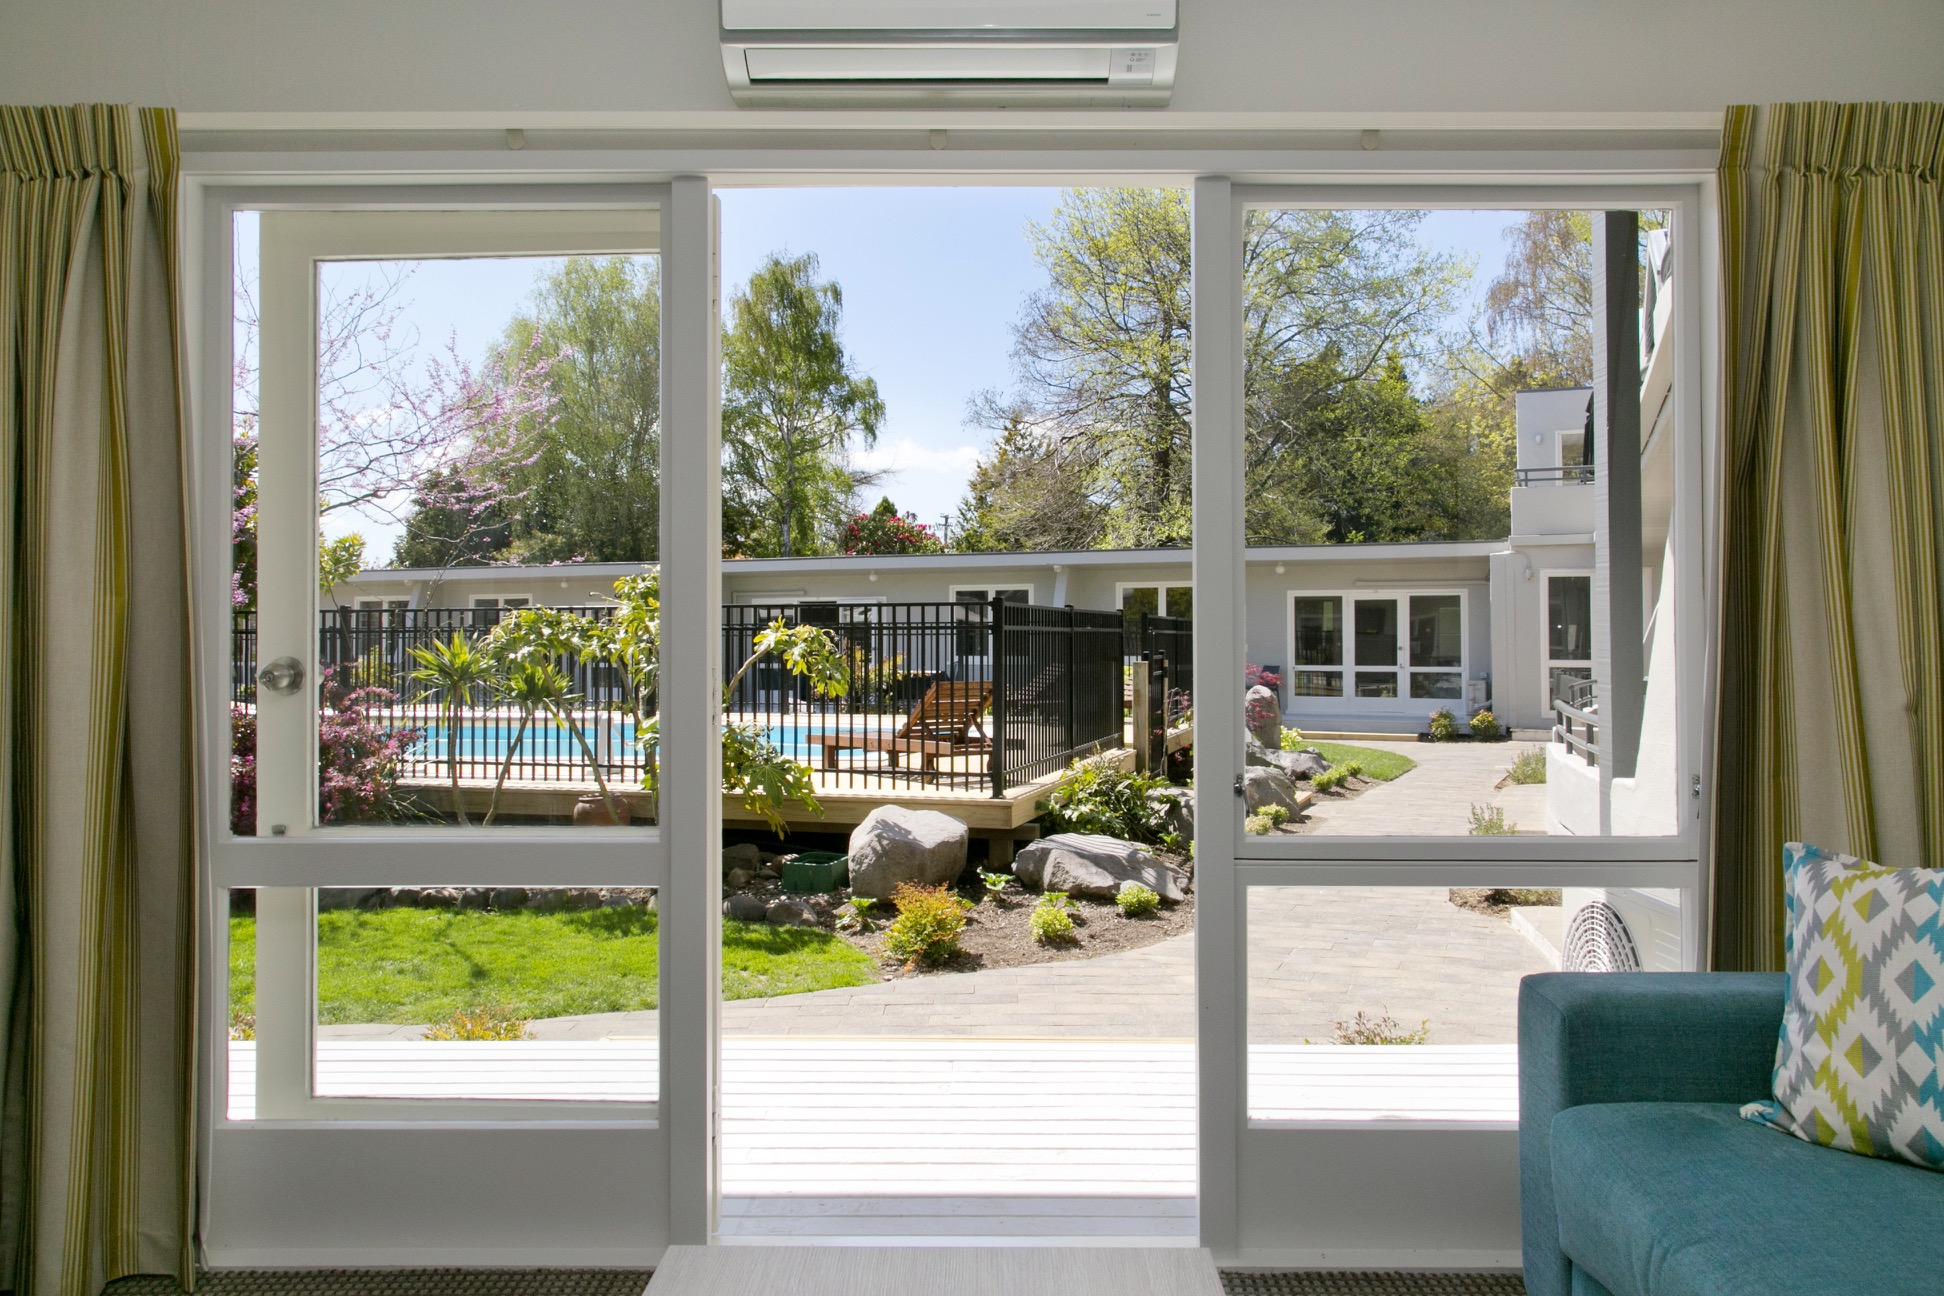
(1437, 644)
(1316, 660)
(1376, 647)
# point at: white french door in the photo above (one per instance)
(342, 1132)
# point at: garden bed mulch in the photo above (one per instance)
(997, 930)
(1348, 790)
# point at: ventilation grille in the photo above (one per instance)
(1598, 940)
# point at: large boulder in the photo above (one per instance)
(1084, 864)
(743, 855)
(1262, 713)
(1266, 787)
(1177, 805)
(895, 845)
(1304, 764)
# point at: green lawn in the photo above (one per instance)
(1381, 765)
(422, 965)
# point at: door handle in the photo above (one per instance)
(284, 675)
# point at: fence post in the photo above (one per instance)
(996, 764)
(1141, 710)
(1072, 694)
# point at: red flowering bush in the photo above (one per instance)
(1265, 676)
(884, 530)
(359, 759)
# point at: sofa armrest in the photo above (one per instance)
(1629, 1037)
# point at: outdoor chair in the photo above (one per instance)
(948, 721)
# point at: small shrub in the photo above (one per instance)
(1135, 900)
(1277, 815)
(994, 882)
(1489, 821)
(1261, 675)
(1486, 728)
(1529, 766)
(1292, 739)
(1050, 921)
(856, 917)
(1335, 776)
(1102, 798)
(1261, 825)
(1383, 1029)
(488, 1023)
(927, 926)
(1443, 726)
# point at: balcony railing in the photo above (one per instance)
(1557, 475)
(1576, 720)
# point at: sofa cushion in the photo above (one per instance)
(1862, 1037)
(1689, 1199)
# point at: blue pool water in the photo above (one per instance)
(611, 739)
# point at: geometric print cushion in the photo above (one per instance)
(1857, 1064)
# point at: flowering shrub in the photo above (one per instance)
(359, 760)
(886, 531)
(1266, 676)
(1486, 728)
(1443, 725)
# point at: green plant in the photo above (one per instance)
(1292, 739)
(994, 882)
(1489, 821)
(452, 671)
(1380, 765)
(496, 1022)
(242, 1025)
(1099, 797)
(1336, 776)
(1135, 900)
(1486, 728)
(1443, 726)
(1259, 824)
(1277, 815)
(1529, 766)
(1383, 1029)
(927, 926)
(1050, 920)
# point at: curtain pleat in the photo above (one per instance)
(1831, 727)
(96, 767)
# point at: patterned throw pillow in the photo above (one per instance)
(1857, 1064)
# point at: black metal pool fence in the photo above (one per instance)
(974, 696)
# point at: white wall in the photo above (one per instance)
(1263, 56)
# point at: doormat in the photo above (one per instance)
(1388, 1283)
(395, 1282)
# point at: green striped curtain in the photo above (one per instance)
(97, 789)
(1832, 706)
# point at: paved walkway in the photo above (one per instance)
(1435, 799)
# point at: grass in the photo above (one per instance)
(424, 965)
(1380, 765)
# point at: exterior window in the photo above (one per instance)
(1437, 646)
(1376, 640)
(1569, 635)
(1317, 666)
(974, 640)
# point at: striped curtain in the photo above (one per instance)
(96, 769)
(1832, 705)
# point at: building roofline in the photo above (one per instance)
(1419, 549)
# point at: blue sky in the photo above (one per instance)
(933, 280)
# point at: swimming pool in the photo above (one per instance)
(612, 738)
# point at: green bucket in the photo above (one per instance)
(815, 872)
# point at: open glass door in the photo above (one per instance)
(447, 864)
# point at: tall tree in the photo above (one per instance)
(792, 408)
(586, 483)
(1539, 310)
(1022, 498)
(456, 522)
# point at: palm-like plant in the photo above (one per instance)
(538, 638)
(533, 687)
(452, 671)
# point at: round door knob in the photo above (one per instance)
(284, 675)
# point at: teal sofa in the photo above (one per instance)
(1637, 1176)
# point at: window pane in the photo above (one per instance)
(1564, 677)
(1181, 601)
(1569, 617)
(1311, 683)
(1437, 631)
(535, 994)
(1437, 684)
(241, 1103)
(1319, 632)
(1377, 684)
(1376, 632)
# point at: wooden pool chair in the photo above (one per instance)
(948, 721)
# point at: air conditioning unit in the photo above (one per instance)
(994, 53)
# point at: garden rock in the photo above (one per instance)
(745, 908)
(1262, 712)
(1093, 867)
(1254, 753)
(1267, 787)
(1305, 764)
(739, 878)
(347, 897)
(743, 855)
(1177, 806)
(895, 845)
(509, 898)
(791, 913)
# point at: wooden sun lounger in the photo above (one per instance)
(948, 721)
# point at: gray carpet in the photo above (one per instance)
(1386, 1283)
(630, 1282)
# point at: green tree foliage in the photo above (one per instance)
(454, 522)
(586, 484)
(791, 408)
(1024, 498)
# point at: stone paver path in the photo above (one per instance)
(1433, 800)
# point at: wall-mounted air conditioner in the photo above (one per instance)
(1089, 53)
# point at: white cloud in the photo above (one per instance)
(905, 455)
